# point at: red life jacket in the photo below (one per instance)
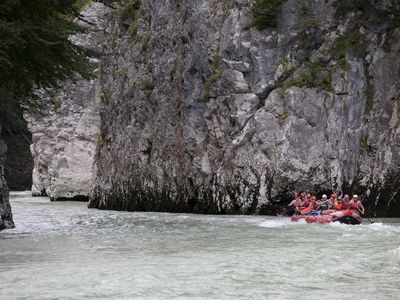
(354, 206)
(305, 203)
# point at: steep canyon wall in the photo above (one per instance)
(64, 132)
(203, 113)
(6, 218)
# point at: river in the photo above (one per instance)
(62, 250)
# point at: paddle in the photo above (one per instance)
(369, 220)
(318, 207)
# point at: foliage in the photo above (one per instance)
(312, 75)
(363, 144)
(128, 9)
(147, 83)
(346, 6)
(79, 5)
(369, 8)
(211, 81)
(282, 118)
(306, 19)
(133, 25)
(265, 13)
(351, 42)
(146, 40)
(386, 16)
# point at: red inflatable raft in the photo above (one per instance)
(343, 216)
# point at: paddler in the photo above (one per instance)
(338, 204)
(356, 204)
(293, 207)
(346, 202)
(313, 203)
(306, 201)
(296, 202)
(324, 203)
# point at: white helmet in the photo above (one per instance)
(355, 196)
(324, 196)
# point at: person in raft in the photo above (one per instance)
(355, 204)
(306, 203)
(293, 207)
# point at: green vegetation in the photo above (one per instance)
(243, 91)
(121, 72)
(147, 84)
(57, 103)
(353, 43)
(363, 144)
(372, 14)
(35, 51)
(210, 82)
(146, 40)
(306, 19)
(343, 7)
(265, 13)
(79, 5)
(99, 139)
(369, 99)
(282, 118)
(287, 67)
(312, 75)
(128, 9)
(133, 25)
(343, 64)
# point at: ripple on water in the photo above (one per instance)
(63, 250)
(280, 222)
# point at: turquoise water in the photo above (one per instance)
(62, 250)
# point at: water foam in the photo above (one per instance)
(280, 222)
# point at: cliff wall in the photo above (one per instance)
(201, 112)
(64, 132)
(6, 218)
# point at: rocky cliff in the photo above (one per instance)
(202, 112)
(64, 132)
(6, 218)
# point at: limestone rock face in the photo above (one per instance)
(6, 217)
(202, 113)
(64, 135)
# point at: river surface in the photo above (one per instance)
(62, 250)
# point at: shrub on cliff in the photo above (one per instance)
(265, 13)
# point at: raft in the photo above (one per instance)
(342, 216)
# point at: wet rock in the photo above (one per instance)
(6, 217)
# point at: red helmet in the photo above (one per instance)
(346, 196)
(333, 196)
(309, 195)
(314, 198)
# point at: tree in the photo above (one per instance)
(35, 51)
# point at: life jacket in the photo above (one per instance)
(338, 206)
(324, 205)
(345, 206)
(305, 203)
(354, 206)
